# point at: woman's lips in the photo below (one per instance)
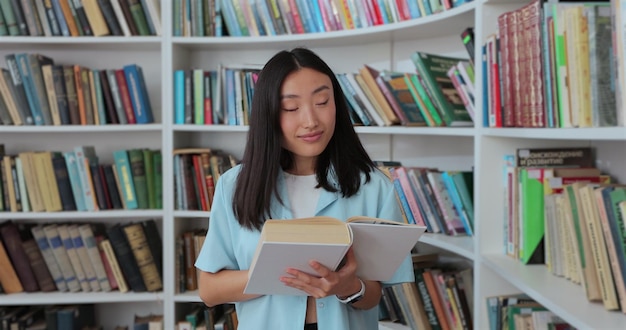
(311, 137)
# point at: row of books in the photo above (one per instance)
(440, 298)
(206, 97)
(539, 75)
(51, 181)
(48, 317)
(520, 312)
(73, 257)
(279, 17)
(36, 91)
(428, 97)
(196, 171)
(80, 18)
(564, 212)
(440, 200)
(201, 317)
(188, 246)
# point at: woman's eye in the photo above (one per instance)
(290, 109)
(323, 103)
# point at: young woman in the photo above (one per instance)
(302, 158)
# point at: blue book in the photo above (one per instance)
(72, 171)
(456, 201)
(265, 17)
(231, 108)
(230, 18)
(414, 9)
(124, 175)
(316, 13)
(24, 67)
(85, 157)
(400, 193)
(138, 94)
(305, 15)
(58, 13)
(355, 100)
(260, 22)
(179, 97)
(48, 257)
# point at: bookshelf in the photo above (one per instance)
(384, 47)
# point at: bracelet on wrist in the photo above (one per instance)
(354, 297)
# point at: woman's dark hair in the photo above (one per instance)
(344, 158)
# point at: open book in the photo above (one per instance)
(379, 245)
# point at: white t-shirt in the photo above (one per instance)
(302, 193)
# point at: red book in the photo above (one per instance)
(378, 17)
(208, 102)
(106, 264)
(125, 96)
(200, 182)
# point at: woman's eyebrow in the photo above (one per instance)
(293, 96)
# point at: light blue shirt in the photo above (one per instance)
(230, 246)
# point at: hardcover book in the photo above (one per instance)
(379, 245)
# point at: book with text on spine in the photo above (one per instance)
(380, 246)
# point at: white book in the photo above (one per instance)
(61, 256)
(73, 257)
(83, 256)
(48, 257)
(119, 14)
(380, 246)
(89, 240)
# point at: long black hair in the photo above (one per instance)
(344, 159)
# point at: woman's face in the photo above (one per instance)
(307, 117)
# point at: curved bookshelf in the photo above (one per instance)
(79, 298)
(406, 130)
(396, 130)
(460, 245)
(559, 295)
(444, 23)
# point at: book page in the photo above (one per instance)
(380, 247)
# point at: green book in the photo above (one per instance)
(138, 171)
(433, 70)
(139, 17)
(157, 162)
(532, 219)
(125, 178)
(148, 162)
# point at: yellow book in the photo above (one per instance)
(600, 254)
(583, 73)
(95, 18)
(7, 163)
(45, 174)
(380, 246)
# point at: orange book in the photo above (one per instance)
(78, 81)
(369, 75)
(436, 298)
(69, 18)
